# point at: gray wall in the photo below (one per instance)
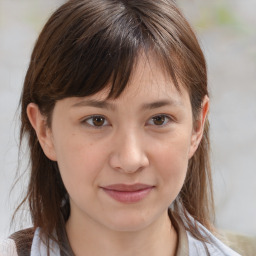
(227, 33)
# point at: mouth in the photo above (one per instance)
(128, 193)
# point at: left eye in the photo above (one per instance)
(159, 120)
(96, 121)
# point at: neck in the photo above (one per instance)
(88, 238)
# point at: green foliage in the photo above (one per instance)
(225, 16)
(218, 14)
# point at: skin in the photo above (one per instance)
(136, 142)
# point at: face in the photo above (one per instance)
(126, 158)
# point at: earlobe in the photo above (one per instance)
(199, 126)
(43, 132)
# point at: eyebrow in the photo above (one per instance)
(161, 103)
(107, 105)
(94, 103)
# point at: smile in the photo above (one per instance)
(128, 193)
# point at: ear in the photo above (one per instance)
(43, 132)
(198, 129)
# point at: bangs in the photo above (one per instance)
(106, 59)
(97, 52)
(101, 49)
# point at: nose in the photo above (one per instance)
(128, 153)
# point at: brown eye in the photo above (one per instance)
(96, 121)
(159, 120)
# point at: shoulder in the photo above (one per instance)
(213, 247)
(18, 243)
(189, 245)
(39, 245)
(8, 248)
(28, 242)
(245, 245)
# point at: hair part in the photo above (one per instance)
(87, 45)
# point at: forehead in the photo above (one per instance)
(151, 81)
(149, 78)
(149, 74)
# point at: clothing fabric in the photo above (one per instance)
(187, 244)
(190, 246)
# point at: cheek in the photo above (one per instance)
(171, 162)
(172, 165)
(79, 162)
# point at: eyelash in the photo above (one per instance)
(89, 121)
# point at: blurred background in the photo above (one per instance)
(227, 33)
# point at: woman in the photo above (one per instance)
(114, 107)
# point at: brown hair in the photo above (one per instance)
(84, 46)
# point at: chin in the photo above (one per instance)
(130, 221)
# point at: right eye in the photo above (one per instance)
(96, 121)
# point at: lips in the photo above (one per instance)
(128, 193)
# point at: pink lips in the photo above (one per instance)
(128, 193)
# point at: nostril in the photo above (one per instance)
(128, 152)
(128, 163)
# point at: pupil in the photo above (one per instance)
(98, 121)
(159, 120)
